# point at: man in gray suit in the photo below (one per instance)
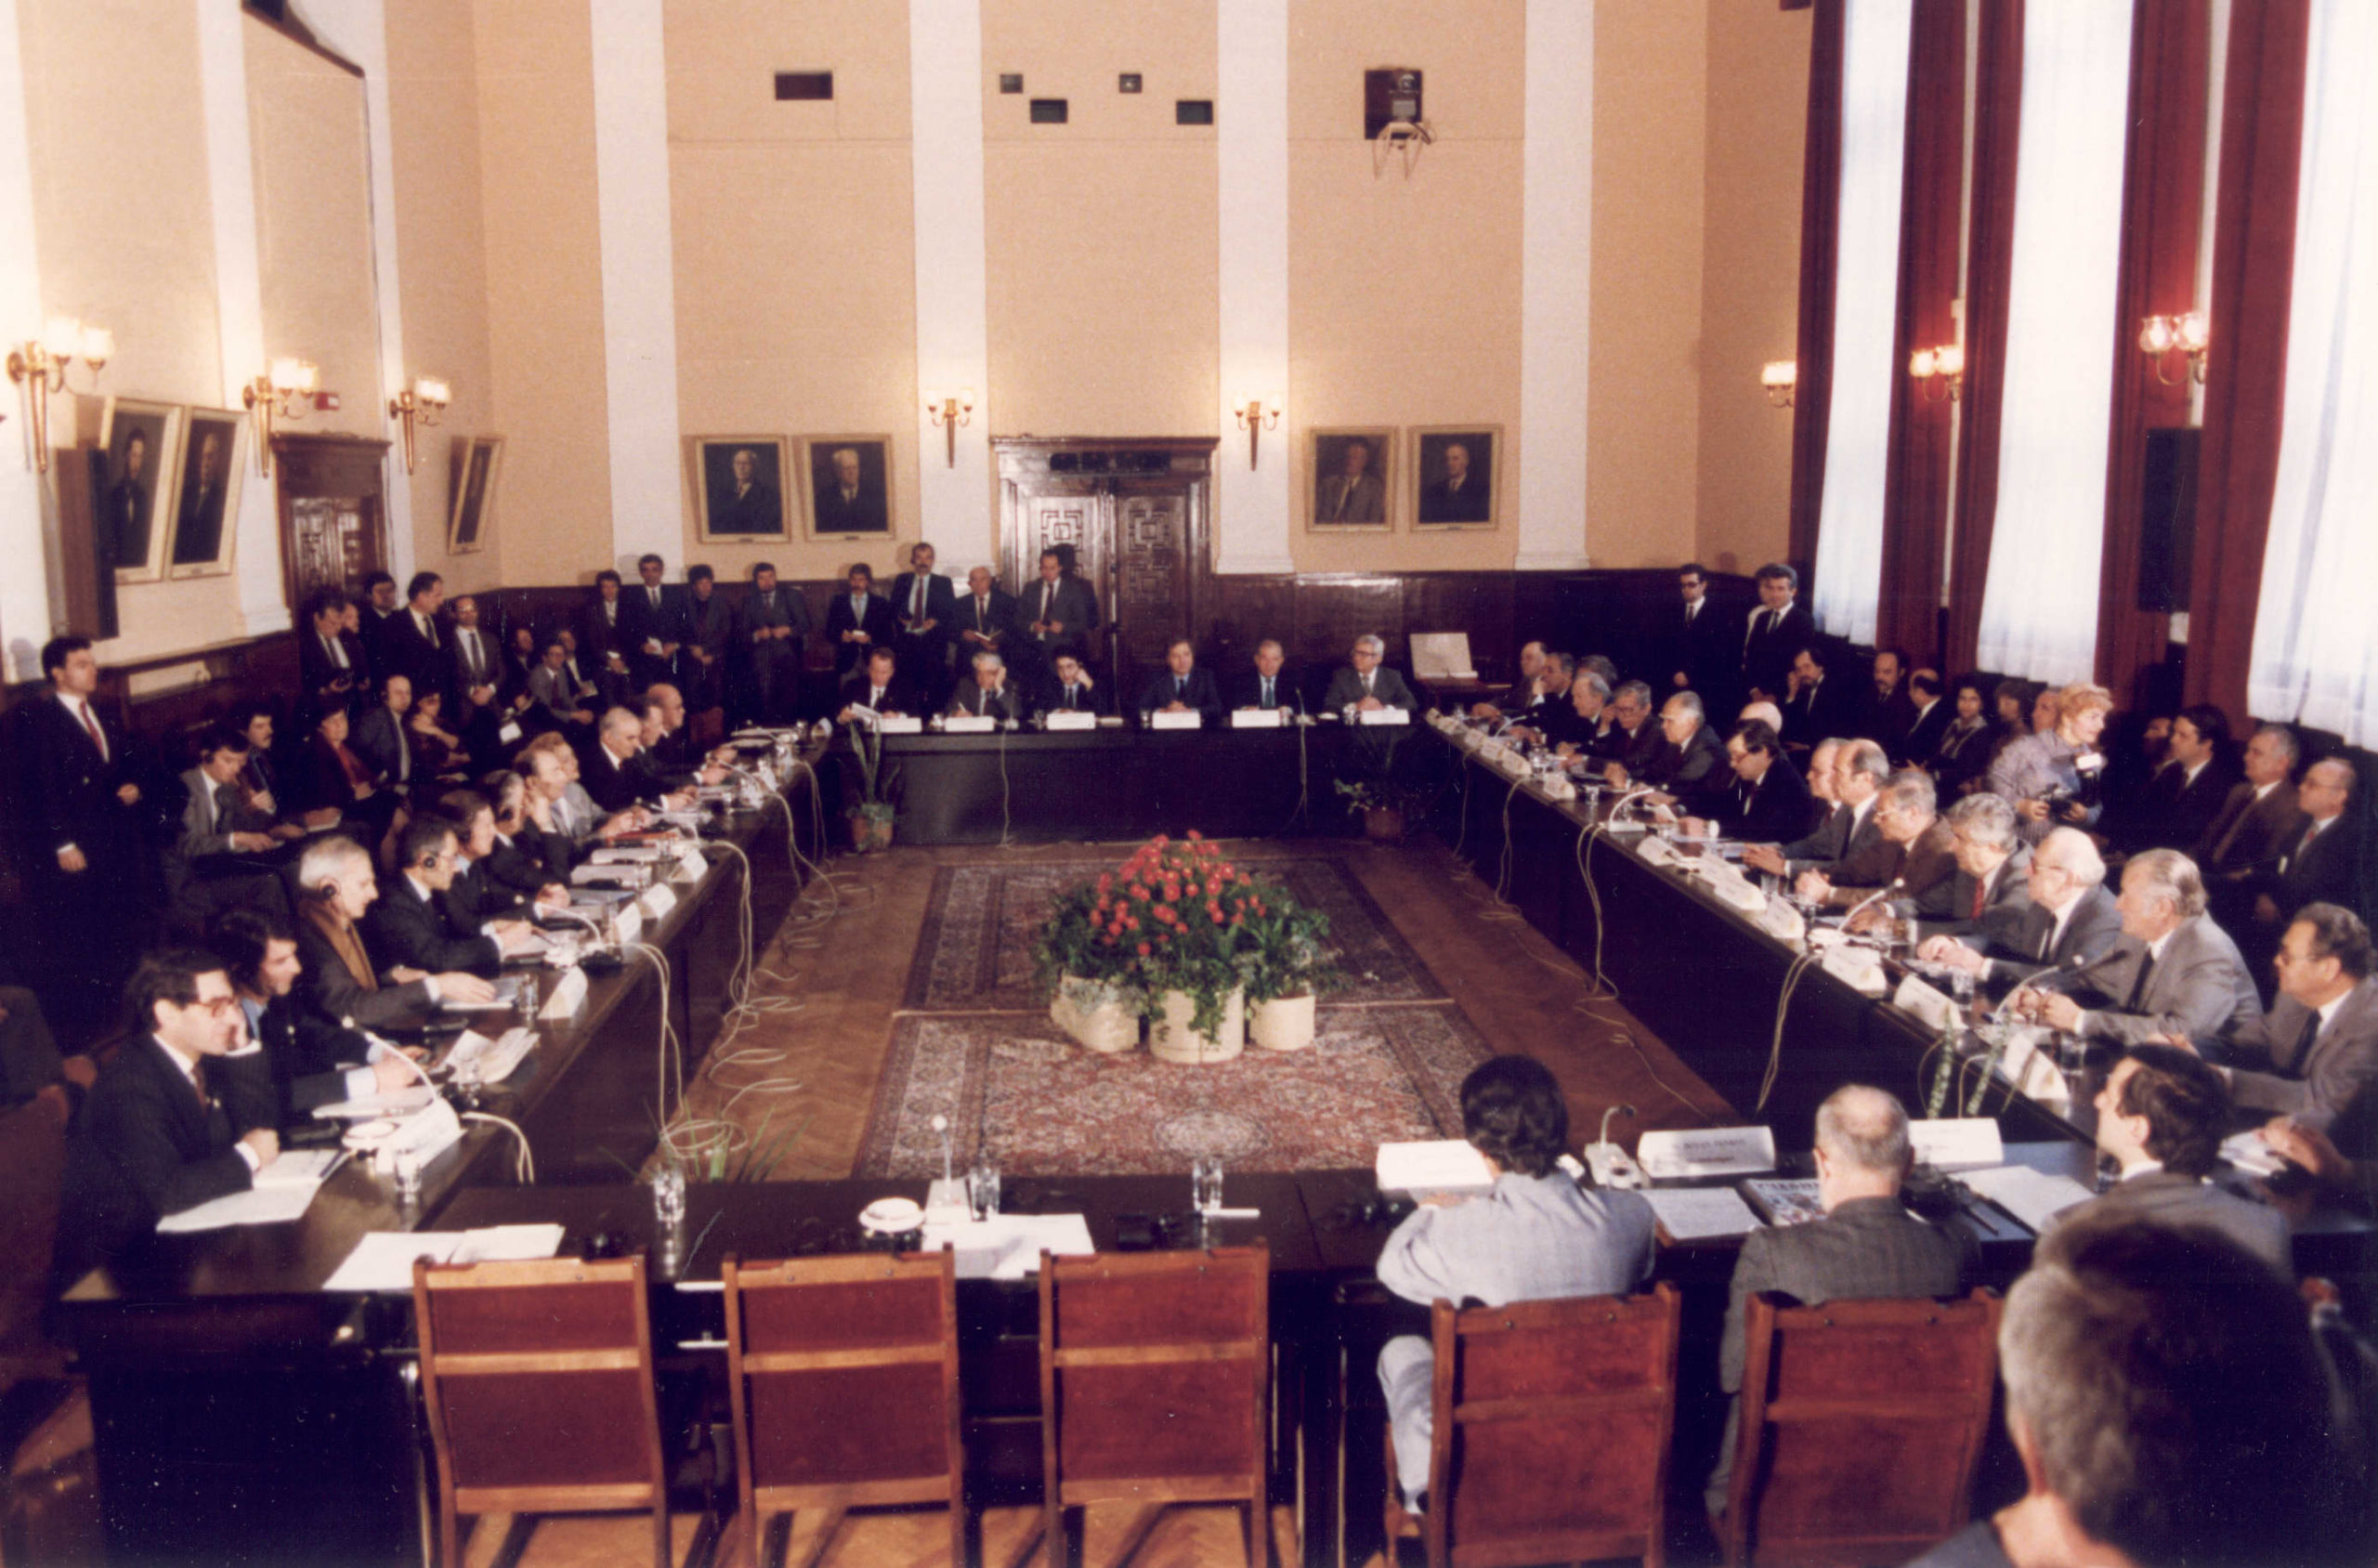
(2068, 917)
(772, 627)
(2319, 1039)
(1867, 1246)
(1364, 685)
(1534, 1238)
(1993, 871)
(2161, 1117)
(2171, 973)
(1855, 776)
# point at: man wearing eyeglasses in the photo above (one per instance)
(167, 1126)
(411, 928)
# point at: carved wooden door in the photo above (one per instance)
(1154, 594)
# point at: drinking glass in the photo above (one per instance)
(406, 1166)
(1206, 1183)
(669, 1194)
(523, 1002)
(983, 1188)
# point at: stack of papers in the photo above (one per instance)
(1009, 1246)
(384, 1259)
(1702, 1213)
(283, 1191)
(2247, 1152)
(2029, 1196)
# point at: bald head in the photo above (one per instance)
(1861, 1144)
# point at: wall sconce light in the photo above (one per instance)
(420, 403)
(1255, 416)
(40, 365)
(284, 392)
(2187, 333)
(1780, 377)
(951, 409)
(1944, 367)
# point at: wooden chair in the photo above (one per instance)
(1154, 1373)
(1861, 1423)
(33, 1165)
(1550, 1433)
(844, 1377)
(539, 1380)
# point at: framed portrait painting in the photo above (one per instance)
(135, 484)
(207, 493)
(739, 494)
(1457, 471)
(479, 467)
(849, 480)
(1352, 477)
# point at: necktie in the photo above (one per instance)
(198, 1084)
(1366, 682)
(471, 652)
(1267, 691)
(1691, 610)
(222, 804)
(876, 700)
(916, 600)
(1047, 592)
(978, 614)
(2139, 987)
(2305, 1044)
(1069, 697)
(91, 723)
(336, 655)
(1180, 686)
(654, 594)
(1981, 892)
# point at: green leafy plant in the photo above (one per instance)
(1380, 775)
(874, 800)
(1287, 951)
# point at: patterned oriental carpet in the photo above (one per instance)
(975, 1044)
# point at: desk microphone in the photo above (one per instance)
(1612, 1165)
(1894, 885)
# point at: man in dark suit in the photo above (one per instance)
(162, 1130)
(603, 642)
(772, 626)
(857, 621)
(473, 675)
(2067, 920)
(2174, 972)
(1777, 630)
(846, 499)
(379, 605)
(1366, 684)
(985, 620)
(1867, 1247)
(989, 692)
(2321, 862)
(1912, 849)
(1266, 685)
(653, 624)
(79, 832)
(1691, 768)
(383, 737)
(1635, 738)
(310, 1057)
(2260, 814)
(2161, 1118)
(924, 606)
(1071, 690)
(611, 779)
(1523, 691)
(1928, 694)
(1459, 495)
(214, 861)
(327, 674)
(2180, 801)
(2314, 1055)
(1817, 706)
(521, 657)
(1180, 686)
(1993, 870)
(414, 644)
(336, 975)
(1766, 800)
(1057, 612)
(1698, 648)
(1886, 711)
(1854, 781)
(880, 688)
(411, 928)
(709, 634)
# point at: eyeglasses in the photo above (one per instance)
(219, 1006)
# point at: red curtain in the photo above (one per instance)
(1915, 498)
(1990, 265)
(1820, 242)
(2254, 260)
(2163, 205)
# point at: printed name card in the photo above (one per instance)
(1859, 968)
(656, 902)
(569, 994)
(1713, 1151)
(1383, 716)
(900, 724)
(1436, 1165)
(1257, 718)
(627, 925)
(1189, 720)
(969, 723)
(691, 867)
(1951, 1141)
(1075, 719)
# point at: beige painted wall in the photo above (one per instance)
(794, 227)
(441, 269)
(1403, 302)
(1759, 74)
(545, 286)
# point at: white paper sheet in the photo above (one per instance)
(2029, 1196)
(382, 1259)
(1436, 1165)
(1699, 1213)
(272, 1203)
(1009, 1246)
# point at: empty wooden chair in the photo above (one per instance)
(1154, 1373)
(1861, 1422)
(33, 1164)
(845, 1378)
(1550, 1433)
(538, 1377)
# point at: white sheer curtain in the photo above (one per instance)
(2315, 637)
(2039, 610)
(1865, 317)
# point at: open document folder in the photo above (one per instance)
(283, 1191)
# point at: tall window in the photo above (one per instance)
(1865, 315)
(2039, 611)
(2315, 637)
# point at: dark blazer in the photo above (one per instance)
(1200, 693)
(1924, 731)
(1867, 1248)
(404, 651)
(460, 676)
(478, 897)
(1767, 652)
(900, 697)
(881, 627)
(1346, 689)
(2021, 939)
(143, 1146)
(1947, 909)
(1247, 691)
(66, 790)
(781, 606)
(373, 629)
(1010, 703)
(1827, 838)
(599, 635)
(2274, 1071)
(2247, 834)
(319, 675)
(2165, 1198)
(2201, 988)
(1636, 752)
(384, 744)
(1691, 770)
(640, 622)
(2173, 811)
(1052, 699)
(2330, 871)
(404, 930)
(710, 626)
(994, 616)
(614, 786)
(1821, 712)
(327, 988)
(307, 1053)
(1072, 605)
(941, 603)
(1774, 810)
(529, 860)
(1705, 649)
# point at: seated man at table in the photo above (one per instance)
(2067, 918)
(1364, 685)
(2162, 1115)
(1523, 690)
(336, 975)
(310, 1057)
(614, 779)
(990, 694)
(1993, 872)
(879, 687)
(666, 760)
(1691, 767)
(1768, 800)
(1911, 855)
(1548, 720)
(214, 862)
(1180, 686)
(1266, 685)
(550, 770)
(1586, 732)
(1071, 690)
(1536, 1235)
(162, 1129)
(2314, 1055)
(1867, 1247)
(1633, 739)
(2171, 972)
(1858, 772)
(413, 927)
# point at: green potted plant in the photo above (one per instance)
(1091, 994)
(870, 815)
(1383, 796)
(1284, 967)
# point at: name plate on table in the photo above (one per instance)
(1383, 716)
(566, 997)
(1783, 921)
(1257, 718)
(1191, 720)
(627, 925)
(969, 723)
(1558, 787)
(1946, 1142)
(656, 902)
(691, 867)
(1659, 852)
(900, 724)
(1859, 968)
(1915, 996)
(1073, 719)
(1435, 1164)
(1716, 1151)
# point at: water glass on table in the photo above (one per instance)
(1206, 1183)
(669, 1194)
(983, 1188)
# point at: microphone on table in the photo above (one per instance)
(2040, 980)
(1894, 885)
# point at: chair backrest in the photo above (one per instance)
(813, 1343)
(538, 1376)
(1861, 1423)
(1155, 1363)
(32, 1165)
(1552, 1420)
